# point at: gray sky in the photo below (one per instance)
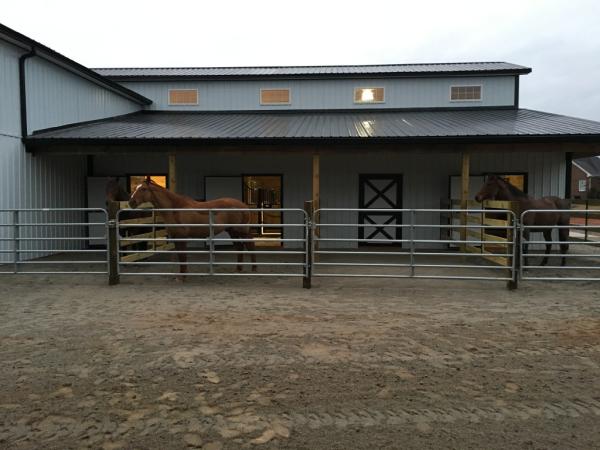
(559, 39)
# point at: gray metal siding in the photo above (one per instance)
(327, 94)
(57, 97)
(9, 90)
(27, 181)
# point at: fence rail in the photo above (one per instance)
(46, 241)
(537, 262)
(327, 243)
(423, 251)
(202, 252)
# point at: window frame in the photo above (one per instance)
(480, 99)
(162, 174)
(183, 104)
(260, 97)
(360, 102)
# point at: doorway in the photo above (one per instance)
(264, 191)
(380, 192)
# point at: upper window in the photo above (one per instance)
(369, 95)
(183, 96)
(275, 97)
(465, 93)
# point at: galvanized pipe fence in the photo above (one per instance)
(322, 243)
(51, 241)
(582, 260)
(203, 243)
(420, 252)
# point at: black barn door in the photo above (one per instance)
(380, 191)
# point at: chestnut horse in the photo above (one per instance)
(148, 191)
(496, 188)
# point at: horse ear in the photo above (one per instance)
(148, 179)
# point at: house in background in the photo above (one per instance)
(585, 178)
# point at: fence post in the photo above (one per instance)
(16, 246)
(585, 231)
(308, 244)
(113, 244)
(412, 242)
(211, 243)
(516, 254)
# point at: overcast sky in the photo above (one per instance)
(559, 39)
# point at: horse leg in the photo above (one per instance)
(251, 246)
(563, 236)
(238, 247)
(548, 238)
(181, 247)
(525, 246)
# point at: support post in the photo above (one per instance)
(172, 172)
(316, 189)
(308, 245)
(464, 197)
(113, 244)
(211, 243)
(16, 241)
(316, 181)
(516, 253)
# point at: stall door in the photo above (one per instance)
(376, 192)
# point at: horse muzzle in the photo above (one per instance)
(132, 204)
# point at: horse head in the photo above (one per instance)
(489, 191)
(114, 191)
(142, 193)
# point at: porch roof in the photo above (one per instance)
(510, 125)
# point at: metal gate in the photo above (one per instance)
(210, 254)
(581, 235)
(425, 248)
(53, 241)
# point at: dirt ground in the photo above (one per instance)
(262, 363)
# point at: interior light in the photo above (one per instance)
(367, 95)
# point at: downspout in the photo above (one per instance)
(22, 91)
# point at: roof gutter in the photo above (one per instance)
(23, 90)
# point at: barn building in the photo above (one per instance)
(374, 136)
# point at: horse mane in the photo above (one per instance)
(515, 191)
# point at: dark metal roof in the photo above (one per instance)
(445, 125)
(16, 38)
(387, 70)
(591, 165)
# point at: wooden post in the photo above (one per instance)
(316, 191)
(172, 172)
(464, 196)
(113, 244)
(316, 181)
(307, 280)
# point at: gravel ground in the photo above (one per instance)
(261, 363)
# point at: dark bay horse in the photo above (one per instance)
(496, 188)
(160, 197)
(115, 192)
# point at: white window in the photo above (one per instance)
(275, 97)
(369, 95)
(582, 185)
(465, 93)
(183, 97)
